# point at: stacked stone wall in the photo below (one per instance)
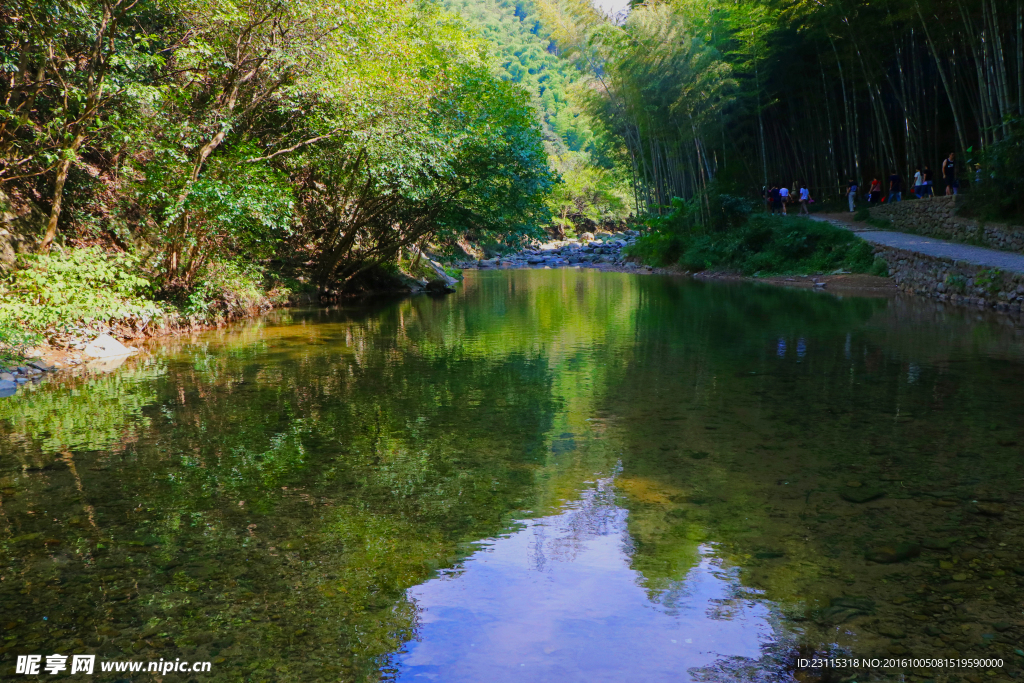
(955, 281)
(936, 217)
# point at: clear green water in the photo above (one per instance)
(550, 475)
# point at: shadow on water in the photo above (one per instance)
(548, 475)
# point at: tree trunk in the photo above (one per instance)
(945, 81)
(58, 194)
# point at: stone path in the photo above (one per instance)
(931, 246)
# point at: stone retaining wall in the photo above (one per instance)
(955, 281)
(936, 217)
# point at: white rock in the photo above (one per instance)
(106, 346)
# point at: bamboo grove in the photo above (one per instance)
(746, 94)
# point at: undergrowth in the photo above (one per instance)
(61, 292)
(763, 244)
(75, 294)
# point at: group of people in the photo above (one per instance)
(778, 197)
(923, 184)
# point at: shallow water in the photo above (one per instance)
(550, 475)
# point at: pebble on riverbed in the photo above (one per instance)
(33, 371)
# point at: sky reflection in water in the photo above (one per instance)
(558, 601)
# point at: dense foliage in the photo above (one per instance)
(526, 55)
(752, 244)
(210, 137)
(595, 183)
(761, 92)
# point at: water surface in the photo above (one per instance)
(550, 475)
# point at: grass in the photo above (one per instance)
(763, 245)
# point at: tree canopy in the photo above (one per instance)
(201, 131)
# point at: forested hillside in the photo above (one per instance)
(594, 182)
(523, 50)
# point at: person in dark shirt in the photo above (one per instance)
(949, 173)
(895, 188)
(929, 188)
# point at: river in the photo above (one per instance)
(551, 475)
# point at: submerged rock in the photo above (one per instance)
(938, 543)
(888, 554)
(861, 495)
(990, 509)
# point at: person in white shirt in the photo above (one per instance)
(805, 199)
(784, 195)
(918, 183)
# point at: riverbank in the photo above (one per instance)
(601, 250)
(608, 252)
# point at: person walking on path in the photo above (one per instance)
(949, 174)
(918, 183)
(805, 199)
(926, 177)
(875, 193)
(895, 188)
(775, 198)
(851, 194)
(784, 196)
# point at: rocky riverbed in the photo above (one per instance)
(102, 354)
(13, 377)
(602, 250)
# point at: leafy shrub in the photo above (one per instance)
(958, 283)
(224, 290)
(764, 244)
(862, 214)
(656, 249)
(1000, 194)
(989, 280)
(730, 211)
(15, 341)
(53, 293)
